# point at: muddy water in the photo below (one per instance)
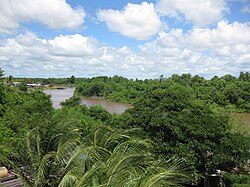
(245, 118)
(112, 107)
(58, 96)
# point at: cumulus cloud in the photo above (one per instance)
(246, 8)
(138, 21)
(225, 34)
(206, 52)
(64, 55)
(54, 14)
(73, 45)
(199, 13)
(224, 49)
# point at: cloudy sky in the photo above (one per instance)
(135, 39)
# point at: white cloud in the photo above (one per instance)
(198, 12)
(224, 49)
(206, 52)
(246, 9)
(52, 13)
(200, 39)
(64, 55)
(138, 21)
(73, 45)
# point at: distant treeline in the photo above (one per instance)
(227, 91)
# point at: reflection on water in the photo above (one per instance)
(58, 96)
(112, 107)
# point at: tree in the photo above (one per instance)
(244, 76)
(99, 113)
(161, 78)
(72, 79)
(184, 126)
(71, 102)
(105, 158)
(41, 160)
(114, 159)
(23, 86)
(1, 72)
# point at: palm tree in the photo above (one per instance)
(113, 159)
(103, 158)
(41, 160)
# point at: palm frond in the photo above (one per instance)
(69, 180)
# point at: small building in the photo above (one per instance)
(37, 85)
(9, 178)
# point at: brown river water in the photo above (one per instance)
(58, 96)
(245, 118)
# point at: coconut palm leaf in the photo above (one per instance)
(104, 158)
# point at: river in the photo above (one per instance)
(244, 118)
(112, 107)
(58, 96)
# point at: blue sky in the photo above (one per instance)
(135, 39)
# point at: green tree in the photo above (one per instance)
(105, 158)
(40, 160)
(188, 127)
(1, 72)
(244, 76)
(114, 159)
(71, 102)
(72, 79)
(99, 113)
(23, 86)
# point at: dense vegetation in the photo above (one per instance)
(179, 129)
(227, 91)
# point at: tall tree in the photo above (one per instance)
(1, 72)
(105, 158)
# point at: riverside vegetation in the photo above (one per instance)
(179, 129)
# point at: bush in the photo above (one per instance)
(237, 180)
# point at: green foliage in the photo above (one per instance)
(114, 159)
(23, 86)
(225, 91)
(244, 76)
(184, 126)
(104, 157)
(239, 180)
(43, 155)
(71, 102)
(181, 117)
(20, 111)
(72, 79)
(99, 113)
(1, 72)
(116, 88)
(5, 138)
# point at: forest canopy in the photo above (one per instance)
(179, 129)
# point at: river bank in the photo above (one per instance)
(60, 95)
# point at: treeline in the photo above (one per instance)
(227, 91)
(43, 81)
(173, 136)
(75, 146)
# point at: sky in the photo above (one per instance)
(135, 39)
